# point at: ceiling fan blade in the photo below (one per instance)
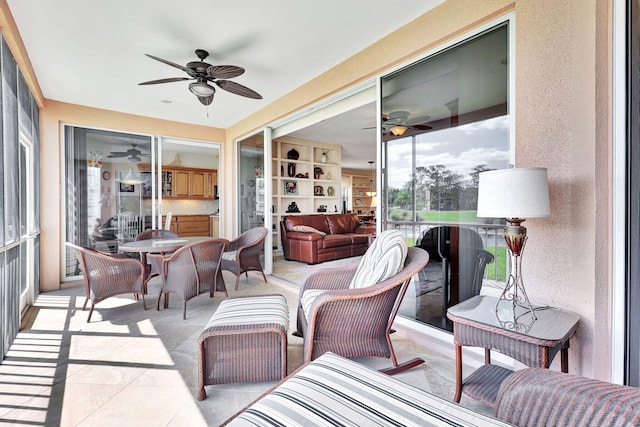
(238, 89)
(205, 100)
(169, 80)
(224, 71)
(420, 127)
(173, 64)
(117, 154)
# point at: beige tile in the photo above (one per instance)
(135, 367)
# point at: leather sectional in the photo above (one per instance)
(336, 236)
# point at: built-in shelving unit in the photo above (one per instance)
(311, 181)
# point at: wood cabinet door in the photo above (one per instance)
(181, 184)
(208, 185)
(197, 184)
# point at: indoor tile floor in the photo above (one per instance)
(135, 367)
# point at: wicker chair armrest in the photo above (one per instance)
(329, 278)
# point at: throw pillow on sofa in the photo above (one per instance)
(307, 229)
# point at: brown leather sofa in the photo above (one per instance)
(343, 237)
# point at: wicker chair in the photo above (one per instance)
(153, 268)
(191, 270)
(107, 275)
(243, 253)
(355, 322)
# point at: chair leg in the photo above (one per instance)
(93, 304)
(86, 300)
(184, 310)
(144, 303)
(237, 280)
(263, 276)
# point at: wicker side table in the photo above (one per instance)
(479, 322)
(244, 341)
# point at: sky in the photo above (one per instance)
(460, 149)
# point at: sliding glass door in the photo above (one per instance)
(119, 184)
(445, 119)
(107, 189)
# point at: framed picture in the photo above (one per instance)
(291, 187)
(127, 188)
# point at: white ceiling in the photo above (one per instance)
(92, 52)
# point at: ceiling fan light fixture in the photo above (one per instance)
(201, 89)
(131, 178)
(398, 130)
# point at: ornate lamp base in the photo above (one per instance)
(516, 236)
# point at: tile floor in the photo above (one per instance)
(135, 367)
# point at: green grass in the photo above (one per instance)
(497, 270)
(435, 216)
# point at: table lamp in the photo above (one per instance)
(514, 194)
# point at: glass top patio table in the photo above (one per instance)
(553, 324)
(160, 245)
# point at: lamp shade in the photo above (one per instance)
(513, 193)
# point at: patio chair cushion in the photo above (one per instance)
(307, 299)
(230, 256)
(384, 258)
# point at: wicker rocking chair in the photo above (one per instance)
(355, 322)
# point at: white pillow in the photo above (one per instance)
(384, 258)
(307, 229)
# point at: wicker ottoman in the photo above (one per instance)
(244, 341)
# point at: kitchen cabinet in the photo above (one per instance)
(197, 184)
(210, 181)
(181, 183)
(185, 183)
(192, 225)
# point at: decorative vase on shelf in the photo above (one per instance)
(293, 154)
(328, 175)
(291, 170)
(323, 157)
(330, 191)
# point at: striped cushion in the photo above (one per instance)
(384, 258)
(333, 390)
(251, 311)
(307, 299)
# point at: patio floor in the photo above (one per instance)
(135, 367)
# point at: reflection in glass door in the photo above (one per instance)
(103, 190)
(254, 200)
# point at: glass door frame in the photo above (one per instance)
(267, 200)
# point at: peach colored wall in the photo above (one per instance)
(562, 123)
(52, 116)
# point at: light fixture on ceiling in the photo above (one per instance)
(131, 178)
(201, 89)
(398, 130)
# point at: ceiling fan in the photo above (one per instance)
(132, 154)
(395, 123)
(203, 73)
